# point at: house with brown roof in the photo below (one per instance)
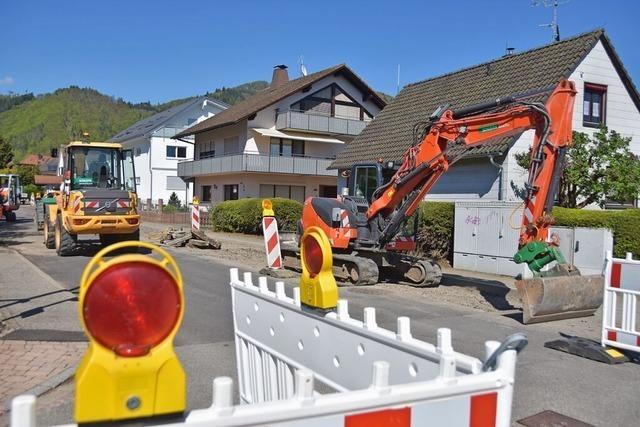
(280, 141)
(606, 96)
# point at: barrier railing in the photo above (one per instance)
(620, 303)
(382, 377)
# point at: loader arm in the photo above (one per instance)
(426, 161)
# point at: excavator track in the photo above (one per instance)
(349, 270)
(412, 271)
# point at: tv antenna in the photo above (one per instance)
(303, 69)
(553, 24)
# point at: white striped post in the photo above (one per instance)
(195, 214)
(271, 236)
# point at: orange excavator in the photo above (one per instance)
(368, 236)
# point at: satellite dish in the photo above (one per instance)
(303, 69)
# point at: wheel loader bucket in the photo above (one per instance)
(559, 297)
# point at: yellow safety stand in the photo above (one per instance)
(318, 287)
(131, 307)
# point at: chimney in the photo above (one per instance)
(280, 75)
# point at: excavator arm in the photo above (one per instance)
(426, 161)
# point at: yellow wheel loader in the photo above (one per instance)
(97, 196)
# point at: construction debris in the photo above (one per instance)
(179, 238)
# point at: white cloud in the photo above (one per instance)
(6, 81)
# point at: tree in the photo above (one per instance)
(596, 168)
(174, 201)
(27, 173)
(6, 153)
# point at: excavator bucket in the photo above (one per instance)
(559, 297)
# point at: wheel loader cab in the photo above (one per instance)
(100, 167)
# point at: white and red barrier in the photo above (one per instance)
(383, 377)
(620, 303)
(195, 216)
(272, 242)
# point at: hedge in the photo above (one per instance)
(245, 215)
(435, 230)
(625, 225)
(436, 227)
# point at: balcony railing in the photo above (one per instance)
(297, 120)
(170, 131)
(256, 163)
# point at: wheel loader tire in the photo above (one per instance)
(48, 234)
(65, 241)
(10, 216)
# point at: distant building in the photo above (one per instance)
(46, 165)
(280, 141)
(606, 95)
(156, 155)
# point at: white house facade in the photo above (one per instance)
(280, 141)
(156, 154)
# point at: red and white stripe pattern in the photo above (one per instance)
(344, 218)
(93, 204)
(77, 204)
(272, 242)
(122, 203)
(195, 217)
(621, 294)
(473, 411)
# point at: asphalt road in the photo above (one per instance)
(546, 379)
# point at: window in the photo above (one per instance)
(176, 152)
(175, 183)
(594, 103)
(207, 150)
(286, 147)
(294, 192)
(138, 151)
(231, 192)
(231, 145)
(206, 193)
(366, 181)
(334, 102)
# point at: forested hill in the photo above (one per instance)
(35, 124)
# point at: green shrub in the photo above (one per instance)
(174, 200)
(625, 225)
(170, 209)
(245, 215)
(435, 230)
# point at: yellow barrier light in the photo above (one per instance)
(318, 287)
(267, 208)
(131, 307)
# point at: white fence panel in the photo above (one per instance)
(398, 380)
(620, 303)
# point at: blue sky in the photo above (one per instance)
(161, 50)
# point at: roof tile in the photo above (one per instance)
(390, 133)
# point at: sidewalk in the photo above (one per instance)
(41, 340)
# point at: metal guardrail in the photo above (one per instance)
(256, 163)
(298, 120)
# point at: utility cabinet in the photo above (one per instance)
(486, 238)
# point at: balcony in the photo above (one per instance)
(296, 120)
(256, 163)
